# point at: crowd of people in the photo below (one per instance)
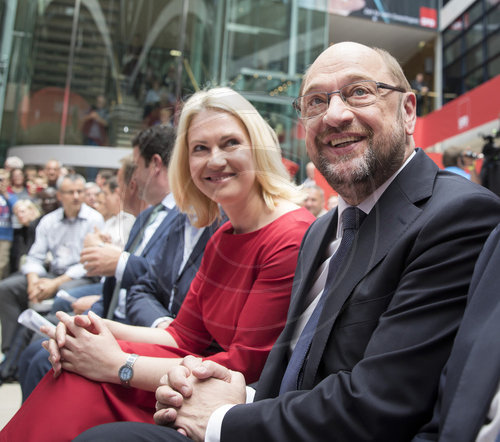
(211, 298)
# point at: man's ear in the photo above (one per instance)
(132, 185)
(158, 163)
(409, 112)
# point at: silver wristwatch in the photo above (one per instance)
(126, 371)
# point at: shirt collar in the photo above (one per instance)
(83, 213)
(169, 201)
(368, 204)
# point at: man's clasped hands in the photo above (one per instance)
(191, 392)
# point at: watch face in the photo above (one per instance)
(125, 373)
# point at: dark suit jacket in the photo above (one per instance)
(470, 378)
(388, 323)
(161, 290)
(136, 265)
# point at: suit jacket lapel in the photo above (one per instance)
(165, 224)
(136, 228)
(311, 259)
(317, 239)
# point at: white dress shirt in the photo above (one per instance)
(62, 237)
(169, 204)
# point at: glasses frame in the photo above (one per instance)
(72, 192)
(378, 84)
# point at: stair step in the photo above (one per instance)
(64, 48)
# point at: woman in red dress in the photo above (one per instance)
(225, 156)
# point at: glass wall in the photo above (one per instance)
(471, 49)
(128, 64)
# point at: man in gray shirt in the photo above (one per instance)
(59, 234)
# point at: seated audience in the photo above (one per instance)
(117, 222)
(237, 302)
(17, 185)
(461, 161)
(13, 162)
(332, 202)
(310, 170)
(51, 172)
(60, 233)
(28, 215)
(102, 176)
(315, 200)
(17, 191)
(48, 201)
(6, 230)
(91, 192)
(30, 172)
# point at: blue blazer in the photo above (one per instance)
(136, 265)
(160, 291)
(470, 378)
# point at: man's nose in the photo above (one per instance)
(337, 113)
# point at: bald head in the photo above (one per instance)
(356, 54)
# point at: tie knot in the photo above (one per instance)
(352, 217)
(158, 208)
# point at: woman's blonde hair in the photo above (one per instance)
(28, 204)
(272, 176)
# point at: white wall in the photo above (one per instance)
(82, 156)
(451, 11)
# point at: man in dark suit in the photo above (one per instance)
(156, 297)
(152, 150)
(467, 407)
(390, 313)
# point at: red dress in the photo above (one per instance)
(237, 302)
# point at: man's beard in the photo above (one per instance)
(373, 168)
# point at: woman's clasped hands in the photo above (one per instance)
(83, 344)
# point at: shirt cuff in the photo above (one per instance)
(76, 271)
(214, 425)
(158, 320)
(33, 268)
(120, 266)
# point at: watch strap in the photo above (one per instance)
(129, 363)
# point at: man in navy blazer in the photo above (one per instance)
(136, 265)
(152, 150)
(467, 407)
(391, 314)
(155, 298)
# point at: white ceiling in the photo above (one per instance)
(401, 41)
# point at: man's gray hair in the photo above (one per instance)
(73, 177)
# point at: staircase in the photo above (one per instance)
(126, 121)
(96, 68)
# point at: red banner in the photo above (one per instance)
(473, 109)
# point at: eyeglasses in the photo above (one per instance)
(357, 94)
(72, 192)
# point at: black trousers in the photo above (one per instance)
(130, 431)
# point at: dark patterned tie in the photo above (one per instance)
(352, 217)
(133, 247)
